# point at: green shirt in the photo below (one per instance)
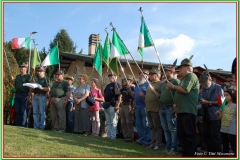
(152, 102)
(19, 82)
(44, 82)
(167, 95)
(187, 102)
(59, 88)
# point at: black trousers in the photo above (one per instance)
(226, 139)
(186, 133)
(212, 136)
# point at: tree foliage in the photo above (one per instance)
(65, 43)
(8, 70)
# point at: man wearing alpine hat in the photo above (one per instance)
(186, 99)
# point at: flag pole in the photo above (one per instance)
(131, 71)
(122, 70)
(58, 57)
(140, 10)
(7, 62)
(30, 55)
(133, 58)
(29, 59)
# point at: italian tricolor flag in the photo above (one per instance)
(18, 43)
(118, 48)
(145, 39)
(221, 101)
(52, 58)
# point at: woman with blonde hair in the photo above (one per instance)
(94, 110)
(82, 115)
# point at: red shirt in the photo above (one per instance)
(98, 94)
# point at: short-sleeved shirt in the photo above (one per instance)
(151, 100)
(19, 83)
(228, 123)
(140, 104)
(97, 93)
(210, 94)
(109, 93)
(80, 91)
(44, 82)
(187, 102)
(167, 95)
(126, 97)
(59, 89)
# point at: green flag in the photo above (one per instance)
(224, 104)
(97, 62)
(118, 48)
(35, 60)
(106, 50)
(113, 65)
(145, 39)
(52, 58)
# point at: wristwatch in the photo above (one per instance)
(210, 102)
(172, 86)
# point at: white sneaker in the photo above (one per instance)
(156, 148)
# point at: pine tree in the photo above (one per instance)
(65, 43)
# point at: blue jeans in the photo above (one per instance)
(144, 134)
(21, 109)
(69, 117)
(39, 109)
(111, 122)
(169, 125)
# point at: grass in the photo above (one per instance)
(28, 142)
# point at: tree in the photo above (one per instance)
(81, 51)
(65, 43)
(6, 78)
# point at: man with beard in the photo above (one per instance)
(143, 131)
(211, 123)
(186, 99)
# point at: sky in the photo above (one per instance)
(178, 30)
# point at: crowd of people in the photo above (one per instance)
(167, 112)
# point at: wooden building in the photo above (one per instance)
(73, 64)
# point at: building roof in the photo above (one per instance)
(66, 59)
